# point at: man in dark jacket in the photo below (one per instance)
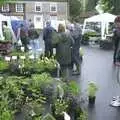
(76, 34)
(24, 36)
(47, 37)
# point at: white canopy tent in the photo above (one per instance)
(2, 18)
(104, 19)
(8, 19)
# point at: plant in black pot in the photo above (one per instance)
(92, 89)
(73, 91)
(48, 117)
(58, 108)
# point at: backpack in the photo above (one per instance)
(55, 38)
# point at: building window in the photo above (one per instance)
(5, 8)
(53, 7)
(19, 7)
(38, 7)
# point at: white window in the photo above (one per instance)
(19, 7)
(38, 7)
(5, 8)
(53, 7)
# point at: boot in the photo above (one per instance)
(77, 72)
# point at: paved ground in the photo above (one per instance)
(97, 66)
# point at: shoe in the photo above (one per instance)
(115, 98)
(117, 63)
(76, 73)
(115, 103)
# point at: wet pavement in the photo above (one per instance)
(97, 66)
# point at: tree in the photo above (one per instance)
(75, 8)
(3, 1)
(110, 6)
(90, 5)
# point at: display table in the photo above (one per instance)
(107, 44)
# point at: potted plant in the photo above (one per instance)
(83, 116)
(92, 89)
(33, 110)
(71, 94)
(58, 108)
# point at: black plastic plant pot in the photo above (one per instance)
(92, 100)
(59, 117)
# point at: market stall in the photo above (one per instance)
(104, 19)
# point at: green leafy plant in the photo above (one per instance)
(42, 80)
(45, 64)
(91, 34)
(4, 65)
(60, 106)
(83, 116)
(92, 89)
(85, 37)
(5, 112)
(33, 109)
(73, 88)
(14, 92)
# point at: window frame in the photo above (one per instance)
(5, 10)
(38, 4)
(17, 8)
(51, 5)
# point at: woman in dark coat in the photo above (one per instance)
(63, 49)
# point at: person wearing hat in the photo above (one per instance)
(116, 40)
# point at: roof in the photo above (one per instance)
(105, 17)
